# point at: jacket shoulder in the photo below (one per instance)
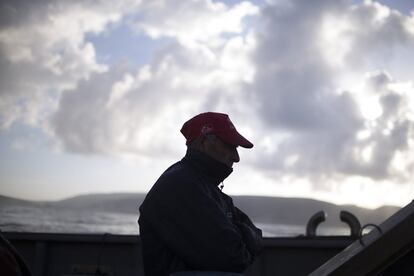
(176, 179)
(178, 174)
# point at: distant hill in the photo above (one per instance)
(297, 211)
(290, 211)
(10, 201)
(121, 203)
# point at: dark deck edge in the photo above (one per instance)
(300, 241)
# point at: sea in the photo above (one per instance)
(67, 220)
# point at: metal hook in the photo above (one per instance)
(362, 229)
(313, 223)
(352, 222)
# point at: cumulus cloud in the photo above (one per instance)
(51, 78)
(370, 35)
(198, 21)
(124, 113)
(382, 148)
(325, 85)
(309, 59)
(43, 50)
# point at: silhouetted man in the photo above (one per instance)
(188, 226)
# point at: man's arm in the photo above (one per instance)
(251, 234)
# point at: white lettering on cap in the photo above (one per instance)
(206, 129)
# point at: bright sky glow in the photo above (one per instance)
(92, 96)
(334, 42)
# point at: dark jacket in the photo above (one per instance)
(187, 223)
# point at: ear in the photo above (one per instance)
(202, 142)
(206, 143)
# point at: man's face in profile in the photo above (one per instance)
(221, 151)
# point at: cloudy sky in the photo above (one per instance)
(93, 94)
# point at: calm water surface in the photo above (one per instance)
(61, 220)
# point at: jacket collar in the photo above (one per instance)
(210, 168)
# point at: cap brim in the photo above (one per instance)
(236, 139)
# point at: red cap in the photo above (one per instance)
(218, 124)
